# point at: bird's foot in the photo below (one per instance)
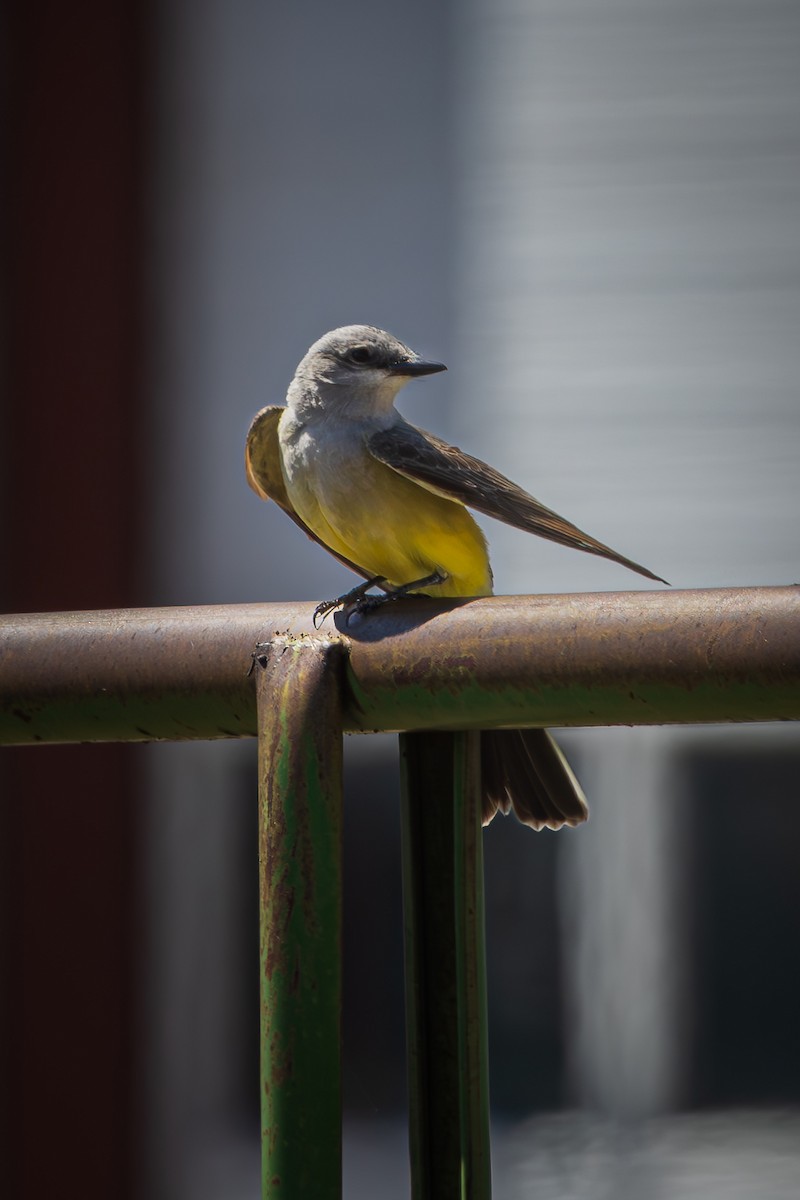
(361, 604)
(357, 602)
(348, 601)
(366, 604)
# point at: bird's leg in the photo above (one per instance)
(365, 604)
(349, 598)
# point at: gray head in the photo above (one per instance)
(358, 369)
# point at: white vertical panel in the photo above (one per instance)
(630, 281)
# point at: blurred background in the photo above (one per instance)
(591, 212)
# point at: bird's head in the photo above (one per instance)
(358, 370)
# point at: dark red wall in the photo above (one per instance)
(73, 408)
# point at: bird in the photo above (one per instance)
(389, 500)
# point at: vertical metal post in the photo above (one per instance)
(445, 967)
(300, 828)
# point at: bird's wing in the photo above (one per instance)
(262, 464)
(431, 462)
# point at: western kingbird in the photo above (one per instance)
(389, 501)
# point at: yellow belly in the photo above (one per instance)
(397, 529)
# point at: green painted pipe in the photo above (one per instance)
(299, 688)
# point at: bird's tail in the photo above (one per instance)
(525, 770)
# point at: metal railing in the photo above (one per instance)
(436, 672)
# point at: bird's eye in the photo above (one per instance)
(361, 354)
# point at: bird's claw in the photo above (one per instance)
(323, 608)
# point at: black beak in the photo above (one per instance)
(416, 367)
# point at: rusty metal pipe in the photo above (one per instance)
(638, 658)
